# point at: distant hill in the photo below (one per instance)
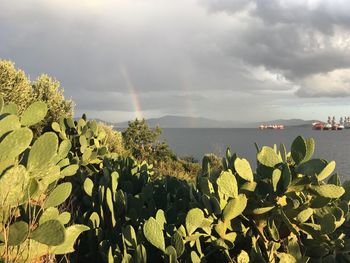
(171, 121)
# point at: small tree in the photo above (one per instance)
(113, 139)
(15, 86)
(144, 143)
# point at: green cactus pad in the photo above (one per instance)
(50, 233)
(262, 210)
(171, 252)
(243, 169)
(70, 170)
(110, 205)
(287, 258)
(328, 190)
(268, 157)
(58, 195)
(234, 207)
(56, 127)
(94, 220)
(327, 223)
(50, 213)
(276, 176)
(327, 171)
(10, 108)
(42, 152)
(15, 143)
(72, 234)
(34, 114)
(129, 236)
(227, 184)
(178, 243)
(243, 257)
(64, 148)
(13, 186)
(154, 234)
(160, 217)
(298, 149)
(194, 219)
(18, 232)
(140, 255)
(64, 218)
(273, 230)
(310, 148)
(311, 167)
(2, 103)
(88, 186)
(304, 215)
(9, 123)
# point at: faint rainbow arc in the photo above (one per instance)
(133, 93)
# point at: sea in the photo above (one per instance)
(330, 145)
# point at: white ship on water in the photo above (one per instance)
(331, 124)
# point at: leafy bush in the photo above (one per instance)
(180, 168)
(113, 139)
(31, 188)
(15, 87)
(144, 143)
(48, 90)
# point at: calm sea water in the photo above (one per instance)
(330, 145)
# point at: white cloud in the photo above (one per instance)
(335, 83)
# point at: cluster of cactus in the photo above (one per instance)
(284, 212)
(291, 209)
(32, 189)
(287, 211)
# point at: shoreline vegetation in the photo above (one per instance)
(75, 190)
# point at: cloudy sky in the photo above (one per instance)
(222, 59)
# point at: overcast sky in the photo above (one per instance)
(222, 59)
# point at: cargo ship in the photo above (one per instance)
(331, 124)
(271, 127)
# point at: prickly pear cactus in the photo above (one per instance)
(291, 209)
(30, 190)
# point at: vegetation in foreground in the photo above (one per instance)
(64, 195)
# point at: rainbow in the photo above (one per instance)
(133, 93)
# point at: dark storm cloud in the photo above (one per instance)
(301, 39)
(172, 54)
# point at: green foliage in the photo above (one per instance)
(30, 189)
(276, 214)
(144, 144)
(20, 94)
(113, 139)
(15, 86)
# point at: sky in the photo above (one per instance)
(221, 59)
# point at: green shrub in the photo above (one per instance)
(179, 168)
(48, 90)
(16, 87)
(144, 143)
(113, 139)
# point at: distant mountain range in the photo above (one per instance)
(171, 121)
